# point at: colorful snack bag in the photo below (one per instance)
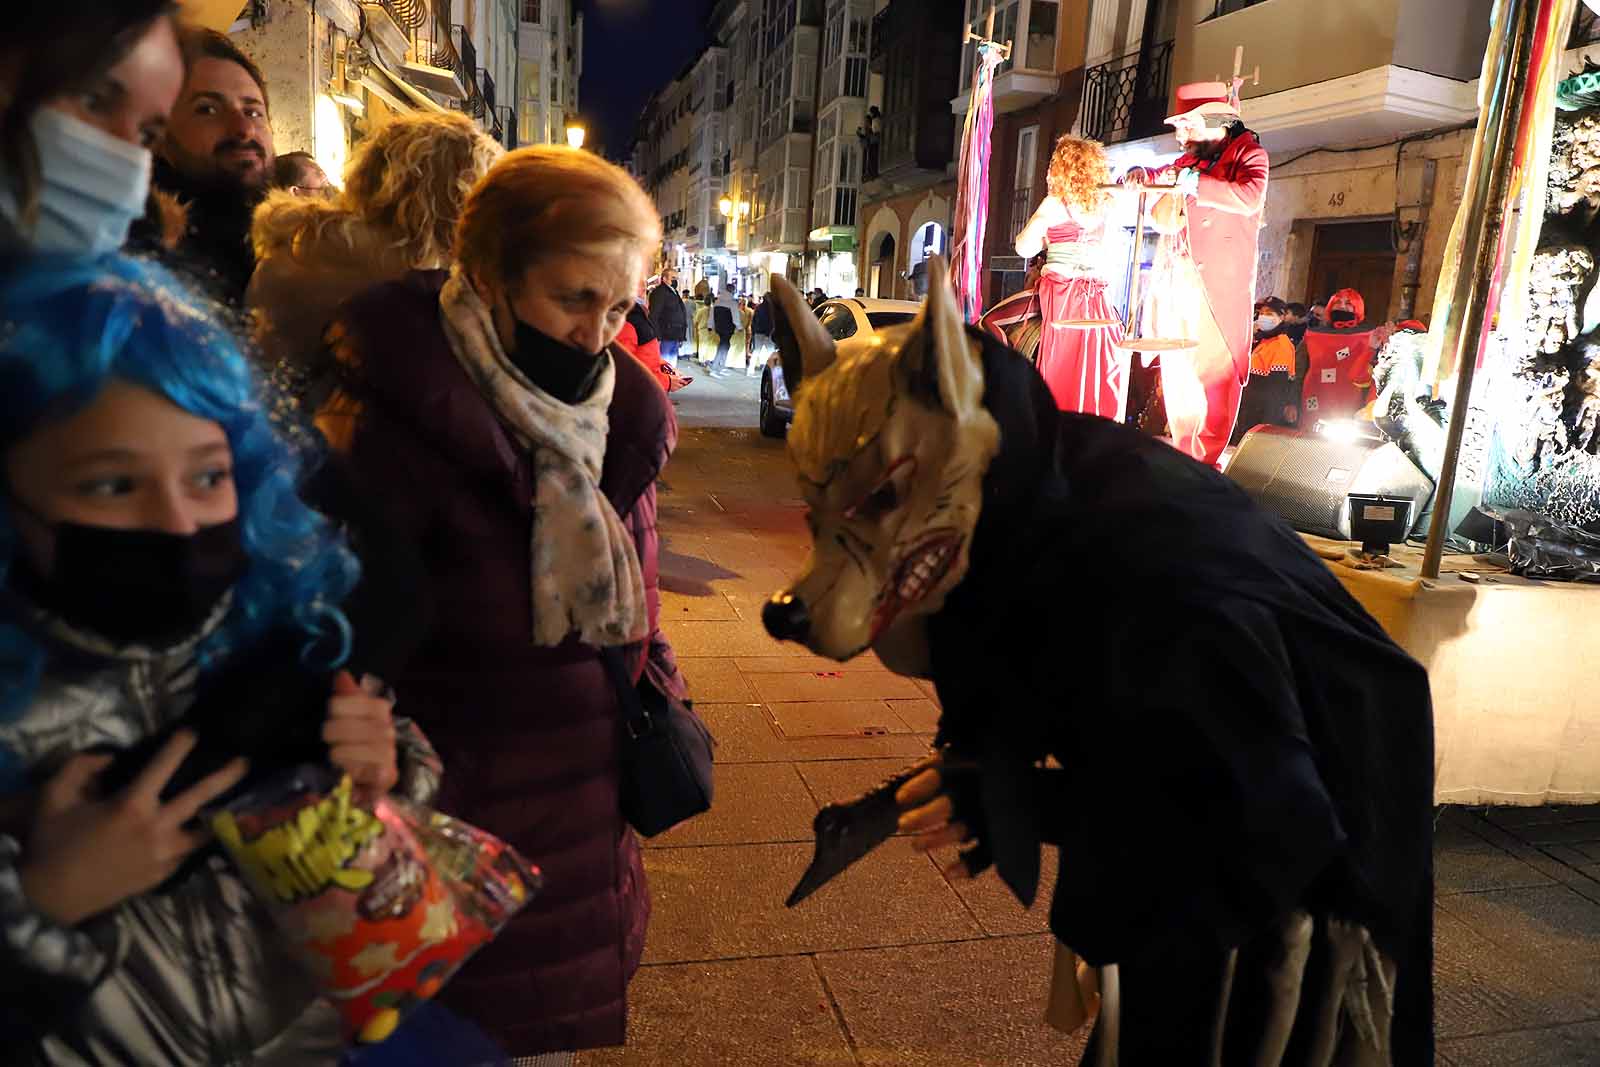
(382, 906)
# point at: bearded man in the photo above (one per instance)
(1206, 268)
(217, 161)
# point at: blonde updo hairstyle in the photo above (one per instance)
(1077, 169)
(407, 183)
(551, 198)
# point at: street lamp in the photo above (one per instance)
(575, 135)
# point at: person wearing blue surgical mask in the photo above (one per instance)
(85, 91)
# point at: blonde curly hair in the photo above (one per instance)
(1078, 168)
(408, 182)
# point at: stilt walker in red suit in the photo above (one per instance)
(1204, 277)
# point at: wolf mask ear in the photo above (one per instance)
(804, 347)
(944, 369)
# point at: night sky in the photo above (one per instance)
(630, 49)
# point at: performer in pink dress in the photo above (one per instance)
(1077, 354)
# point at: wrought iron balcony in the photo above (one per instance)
(407, 14)
(879, 42)
(1126, 99)
(486, 87)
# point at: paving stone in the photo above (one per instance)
(836, 780)
(754, 802)
(715, 680)
(992, 903)
(690, 638)
(1548, 927)
(971, 1004)
(921, 715)
(1459, 828)
(1514, 816)
(708, 606)
(729, 1014)
(745, 734)
(1480, 986)
(927, 689)
(1560, 833)
(1555, 1046)
(726, 901)
(836, 718)
(790, 664)
(831, 685)
(1470, 870)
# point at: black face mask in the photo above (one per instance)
(566, 373)
(136, 586)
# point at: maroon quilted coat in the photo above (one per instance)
(528, 735)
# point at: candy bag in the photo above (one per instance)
(382, 906)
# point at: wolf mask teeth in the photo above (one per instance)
(891, 442)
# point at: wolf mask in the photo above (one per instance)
(891, 442)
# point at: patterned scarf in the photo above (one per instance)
(585, 569)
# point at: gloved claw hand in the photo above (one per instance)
(1188, 181)
(940, 806)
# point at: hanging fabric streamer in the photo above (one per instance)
(972, 177)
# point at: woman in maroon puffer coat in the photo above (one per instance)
(488, 410)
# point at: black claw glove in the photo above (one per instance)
(962, 781)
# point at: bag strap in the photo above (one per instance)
(634, 715)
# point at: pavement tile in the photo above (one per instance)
(1510, 816)
(836, 718)
(753, 802)
(1560, 833)
(972, 1004)
(790, 664)
(1458, 828)
(710, 606)
(1475, 870)
(835, 780)
(1555, 1046)
(726, 901)
(921, 715)
(1479, 988)
(832, 685)
(735, 1013)
(715, 680)
(1550, 927)
(927, 689)
(745, 734)
(690, 638)
(995, 907)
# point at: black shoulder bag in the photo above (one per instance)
(666, 753)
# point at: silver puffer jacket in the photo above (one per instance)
(191, 974)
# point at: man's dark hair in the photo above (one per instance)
(1298, 310)
(61, 46)
(290, 168)
(201, 43)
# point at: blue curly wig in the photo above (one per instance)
(66, 327)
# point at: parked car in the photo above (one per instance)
(843, 319)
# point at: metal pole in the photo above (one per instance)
(1490, 177)
(1132, 316)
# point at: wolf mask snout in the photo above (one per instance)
(786, 617)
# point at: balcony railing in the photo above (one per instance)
(1124, 100)
(879, 45)
(486, 86)
(407, 14)
(1021, 211)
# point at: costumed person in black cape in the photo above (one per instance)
(1137, 665)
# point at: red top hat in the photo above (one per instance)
(1204, 98)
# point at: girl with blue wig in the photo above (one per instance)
(150, 537)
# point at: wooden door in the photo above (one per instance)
(1353, 255)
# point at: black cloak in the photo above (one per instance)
(1237, 738)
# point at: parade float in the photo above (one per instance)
(1499, 404)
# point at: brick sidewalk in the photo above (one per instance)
(891, 965)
